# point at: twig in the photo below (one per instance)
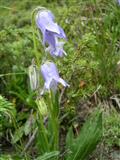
(61, 95)
(33, 137)
(96, 90)
(30, 141)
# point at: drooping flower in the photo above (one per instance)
(51, 76)
(51, 31)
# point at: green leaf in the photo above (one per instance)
(18, 134)
(70, 137)
(7, 110)
(48, 156)
(29, 125)
(91, 133)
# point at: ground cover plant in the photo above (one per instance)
(59, 80)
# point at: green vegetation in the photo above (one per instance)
(91, 68)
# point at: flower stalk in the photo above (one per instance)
(43, 21)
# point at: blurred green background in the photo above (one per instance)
(90, 67)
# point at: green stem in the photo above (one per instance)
(34, 37)
(34, 41)
(10, 74)
(54, 121)
(43, 129)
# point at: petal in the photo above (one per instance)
(62, 33)
(43, 18)
(44, 72)
(53, 70)
(53, 27)
(51, 15)
(49, 37)
(45, 21)
(53, 85)
(58, 50)
(63, 82)
(64, 53)
(47, 84)
(49, 70)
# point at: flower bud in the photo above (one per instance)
(33, 77)
(42, 107)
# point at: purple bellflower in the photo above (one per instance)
(51, 76)
(51, 31)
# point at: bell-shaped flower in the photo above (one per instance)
(50, 30)
(51, 76)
